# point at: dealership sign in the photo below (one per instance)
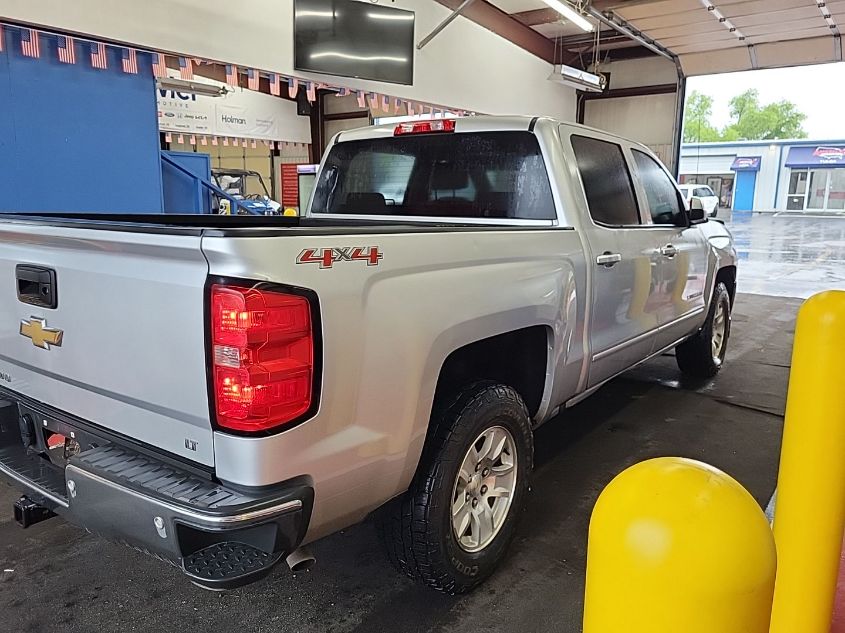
(240, 113)
(818, 156)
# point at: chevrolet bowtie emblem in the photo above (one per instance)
(42, 336)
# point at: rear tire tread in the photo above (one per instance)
(404, 527)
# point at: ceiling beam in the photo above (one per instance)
(503, 24)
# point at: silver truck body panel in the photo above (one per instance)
(384, 347)
(130, 305)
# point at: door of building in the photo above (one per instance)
(826, 190)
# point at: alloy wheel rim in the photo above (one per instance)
(720, 326)
(484, 489)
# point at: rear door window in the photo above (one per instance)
(463, 175)
(607, 181)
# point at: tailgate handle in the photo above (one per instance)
(36, 286)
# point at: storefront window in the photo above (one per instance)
(836, 192)
(798, 183)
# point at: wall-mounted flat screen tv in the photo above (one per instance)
(354, 39)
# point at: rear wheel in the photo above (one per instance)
(453, 526)
(703, 354)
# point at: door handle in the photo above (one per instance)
(668, 251)
(608, 259)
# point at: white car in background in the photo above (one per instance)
(709, 200)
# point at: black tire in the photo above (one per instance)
(695, 355)
(417, 528)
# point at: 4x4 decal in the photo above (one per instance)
(327, 257)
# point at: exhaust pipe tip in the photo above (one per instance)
(301, 559)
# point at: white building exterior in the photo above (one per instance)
(795, 175)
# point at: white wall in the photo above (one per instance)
(466, 66)
(633, 73)
(717, 158)
(649, 120)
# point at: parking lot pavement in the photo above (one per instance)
(788, 255)
(54, 576)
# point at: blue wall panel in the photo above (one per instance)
(183, 194)
(80, 139)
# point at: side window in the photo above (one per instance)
(708, 192)
(607, 181)
(700, 192)
(663, 200)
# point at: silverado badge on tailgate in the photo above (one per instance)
(41, 336)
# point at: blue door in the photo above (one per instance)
(746, 181)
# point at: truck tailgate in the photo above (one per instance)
(130, 307)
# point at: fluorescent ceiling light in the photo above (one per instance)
(389, 16)
(578, 78)
(192, 87)
(566, 10)
(316, 14)
(362, 58)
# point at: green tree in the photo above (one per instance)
(755, 122)
(697, 113)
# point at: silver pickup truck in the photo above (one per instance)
(223, 391)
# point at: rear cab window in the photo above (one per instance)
(460, 175)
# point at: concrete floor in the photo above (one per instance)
(54, 576)
(788, 255)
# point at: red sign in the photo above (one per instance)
(290, 185)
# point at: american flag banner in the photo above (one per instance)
(275, 85)
(362, 100)
(397, 105)
(180, 139)
(159, 66)
(411, 109)
(214, 141)
(385, 103)
(243, 142)
(253, 144)
(343, 92)
(203, 140)
(168, 137)
(129, 59)
(311, 91)
(225, 141)
(192, 140)
(98, 56)
(67, 50)
(186, 68)
(232, 75)
(293, 87)
(252, 78)
(373, 100)
(29, 43)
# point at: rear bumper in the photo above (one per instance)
(125, 496)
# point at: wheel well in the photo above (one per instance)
(727, 276)
(517, 359)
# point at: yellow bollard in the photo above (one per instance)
(677, 546)
(810, 509)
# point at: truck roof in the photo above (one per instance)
(478, 123)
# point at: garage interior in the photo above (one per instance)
(492, 57)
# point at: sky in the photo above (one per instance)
(818, 91)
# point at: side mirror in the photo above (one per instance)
(696, 211)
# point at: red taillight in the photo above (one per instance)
(425, 127)
(262, 355)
